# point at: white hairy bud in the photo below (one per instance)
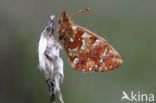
(49, 60)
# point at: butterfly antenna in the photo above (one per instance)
(83, 10)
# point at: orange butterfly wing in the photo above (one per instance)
(89, 52)
(85, 50)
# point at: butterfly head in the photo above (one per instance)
(64, 18)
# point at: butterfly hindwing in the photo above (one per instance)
(88, 52)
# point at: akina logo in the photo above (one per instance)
(137, 97)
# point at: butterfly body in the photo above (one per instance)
(86, 51)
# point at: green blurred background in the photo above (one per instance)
(129, 25)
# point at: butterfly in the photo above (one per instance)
(85, 50)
